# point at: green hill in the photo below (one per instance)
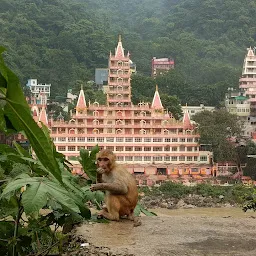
(61, 41)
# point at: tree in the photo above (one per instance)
(172, 104)
(221, 130)
(143, 88)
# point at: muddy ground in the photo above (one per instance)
(192, 232)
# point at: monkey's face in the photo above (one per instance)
(103, 164)
(105, 161)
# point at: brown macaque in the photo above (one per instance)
(121, 189)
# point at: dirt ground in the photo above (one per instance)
(192, 232)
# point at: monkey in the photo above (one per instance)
(121, 192)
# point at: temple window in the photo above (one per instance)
(119, 131)
(61, 148)
(71, 139)
(95, 104)
(61, 139)
(96, 131)
(157, 158)
(182, 158)
(143, 131)
(110, 139)
(95, 113)
(147, 158)
(95, 122)
(128, 158)
(138, 158)
(157, 140)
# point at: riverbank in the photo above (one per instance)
(193, 232)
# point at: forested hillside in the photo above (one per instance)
(61, 41)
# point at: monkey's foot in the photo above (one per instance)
(137, 222)
(100, 217)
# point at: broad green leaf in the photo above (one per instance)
(18, 183)
(35, 197)
(19, 168)
(18, 112)
(40, 143)
(8, 207)
(88, 163)
(94, 151)
(61, 195)
(51, 189)
(138, 209)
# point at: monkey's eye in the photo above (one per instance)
(105, 159)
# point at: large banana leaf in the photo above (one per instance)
(87, 161)
(17, 111)
(40, 189)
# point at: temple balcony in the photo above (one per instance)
(118, 83)
(117, 90)
(119, 100)
(247, 79)
(119, 75)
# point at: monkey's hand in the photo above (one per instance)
(100, 170)
(95, 187)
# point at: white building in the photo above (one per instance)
(37, 89)
(192, 110)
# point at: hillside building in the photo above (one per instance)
(192, 110)
(159, 66)
(38, 89)
(247, 82)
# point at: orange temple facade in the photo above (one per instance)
(145, 138)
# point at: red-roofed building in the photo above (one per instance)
(159, 66)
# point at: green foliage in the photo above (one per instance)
(33, 182)
(88, 162)
(60, 42)
(236, 193)
(139, 209)
(18, 118)
(215, 129)
(174, 189)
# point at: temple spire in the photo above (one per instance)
(157, 103)
(81, 103)
(250, 52)
(186, 120)
(43, 116)
(119, 49)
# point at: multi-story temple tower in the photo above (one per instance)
(144, 137)
(119, 79)
(248, 80)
